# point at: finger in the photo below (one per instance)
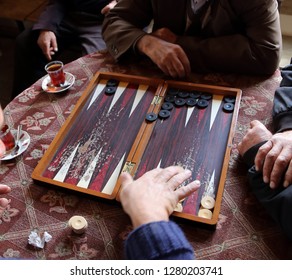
(179, 66)
(270, 162)
(280, 167)
(185, 64)
(4, 189)
(126, 179)
(47, 52)
(288, 176)
(2, 149)
(255, 123)
(188, 189)
(261, 155)
(105, 10)
(176, 180)
(239, 148)
(54, 44)
(164, 175)
(3, 203)
(166, 70)
(175, 67)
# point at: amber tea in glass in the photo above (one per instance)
(7, 138)
(56, 73)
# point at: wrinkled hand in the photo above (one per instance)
(153, 196)
(108, 7)
(169, 57)
(256, 133)
(274, 158)
(3, 201)
(47, 41)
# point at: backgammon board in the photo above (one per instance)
(134, 124)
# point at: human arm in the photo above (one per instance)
(277, 201)
(47, 26)
(149, 201)
(123, 31)
(169, 57)
(239, 37)
(51, 16)
(274, 158)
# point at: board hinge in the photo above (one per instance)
(156, 100)
(128, 167)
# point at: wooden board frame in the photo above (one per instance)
(37, 174)
(141, 140)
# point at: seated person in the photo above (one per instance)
(63, 25)
(269, 156)
(202, 36)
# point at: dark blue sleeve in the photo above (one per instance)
(158, 241)
(277, 202)
(52, 16)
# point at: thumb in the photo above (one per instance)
(126, 178)
(3, 203)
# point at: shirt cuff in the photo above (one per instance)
(250, 154)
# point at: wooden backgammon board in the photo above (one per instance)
(134, 124)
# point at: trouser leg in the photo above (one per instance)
(29, 61)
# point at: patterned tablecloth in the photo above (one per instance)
(244, 230)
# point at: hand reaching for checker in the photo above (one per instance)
(153, 196)
(274, 158)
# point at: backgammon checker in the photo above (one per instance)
(119, 124)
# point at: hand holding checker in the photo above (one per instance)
(154, 196)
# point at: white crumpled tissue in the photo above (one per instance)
(36, 240)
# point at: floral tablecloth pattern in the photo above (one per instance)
(244, 230)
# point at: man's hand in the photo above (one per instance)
(169, 57)
(154, 195)
(274, 158)
(47, 41)
(3, 201)
(108, 7)
(256, 134)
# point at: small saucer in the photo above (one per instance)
(23, 144)
(48, 87)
